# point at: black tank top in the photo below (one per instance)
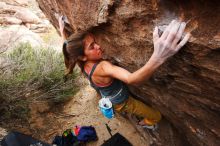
(117, 91)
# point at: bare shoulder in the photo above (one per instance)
(105, 64)
(114, 71)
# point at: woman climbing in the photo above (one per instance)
(110, 80)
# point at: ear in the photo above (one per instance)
(82, 58)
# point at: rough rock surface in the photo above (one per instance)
(186, 89)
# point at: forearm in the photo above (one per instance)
(144, 72)
(62, 29)
(124, 75)
(63, 36)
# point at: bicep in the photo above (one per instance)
(116, 72)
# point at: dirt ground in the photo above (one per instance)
(82, 110)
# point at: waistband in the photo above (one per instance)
(119, 97)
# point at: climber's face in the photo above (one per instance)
(92, 50)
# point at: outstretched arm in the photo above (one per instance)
(61, 28)
(165, 46)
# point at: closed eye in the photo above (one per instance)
(91, 46)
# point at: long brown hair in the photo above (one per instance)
(73, 49)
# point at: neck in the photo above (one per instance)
(91, 62)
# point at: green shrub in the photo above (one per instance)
(33, 74)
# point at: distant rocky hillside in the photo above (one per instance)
(22, 21)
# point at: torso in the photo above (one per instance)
(108, 87)
(98, 77)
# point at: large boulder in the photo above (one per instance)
(27, 16)
(15, 34)
(186, 89)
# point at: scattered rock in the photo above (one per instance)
(16, 2)
(27, 16)
(14, 13)
(40, 15)
(39, 28)
(22, 2)
(8, 10)
(9, 20)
